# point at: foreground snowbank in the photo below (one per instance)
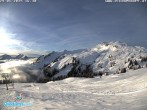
(115, 92)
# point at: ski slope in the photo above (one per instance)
(126, 91)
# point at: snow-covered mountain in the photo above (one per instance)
(22, 56)
(104, 58)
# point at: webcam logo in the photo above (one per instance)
(19, 96)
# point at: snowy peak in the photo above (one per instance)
(21, 56)
(109, 46)
(117, 47)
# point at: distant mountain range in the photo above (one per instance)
(8, 57)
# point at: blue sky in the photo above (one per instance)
(69, 24)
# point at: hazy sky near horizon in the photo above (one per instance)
(69, 24)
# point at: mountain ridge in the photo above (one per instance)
(105, 58)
